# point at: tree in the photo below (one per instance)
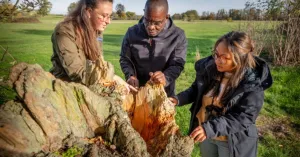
(28, 5)
(235, 14)
(205, 15)
(120, 8)
(192, 15)
(130, 15)
(212, 16)
(184, 17)
(71, 7)
(44, 7)
(222, 14)
(9, 9)
(123, 16)
(115, 16)
(176, 17)
(88, 112)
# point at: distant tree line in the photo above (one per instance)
(119, 14)
(259, 10)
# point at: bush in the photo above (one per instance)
(229, 19)
(276, 40)
(26, 20)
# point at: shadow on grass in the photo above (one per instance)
(36, 32)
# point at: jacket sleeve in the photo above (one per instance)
(176, 61)
(66, 48)
(188, 96)
(125, 57)
(240, 117)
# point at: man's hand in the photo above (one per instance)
(173, 100)
(158, 77)
(133, 81)
(198, 134)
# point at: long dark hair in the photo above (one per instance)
(242, 48)
(83, 27)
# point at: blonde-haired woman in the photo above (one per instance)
(77, 41)
(227, 96)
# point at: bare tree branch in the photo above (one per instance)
(6, 52)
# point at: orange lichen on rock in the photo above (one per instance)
(153, 116)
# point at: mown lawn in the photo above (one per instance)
(31, 43)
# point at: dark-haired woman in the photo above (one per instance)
(77, 41)
(227, 96)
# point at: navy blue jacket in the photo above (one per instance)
(166, 53)
(242, 108)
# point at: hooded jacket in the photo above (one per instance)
(242, 108)
(166, 52)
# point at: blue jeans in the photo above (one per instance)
(214, 148)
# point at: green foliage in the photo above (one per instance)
(120, 8)
(192, 15)
(71, 7)
(71, 152)
(176, 17)
(44, 7)
(131, 15)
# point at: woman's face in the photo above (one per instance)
(101, 15)
(223, 58)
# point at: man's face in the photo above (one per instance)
(155, 21)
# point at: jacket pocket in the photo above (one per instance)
(252, 131)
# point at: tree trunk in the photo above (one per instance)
(50, 115)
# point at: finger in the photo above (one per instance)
(136, 84)
(151, 73)
(198, 138)
(194, 134)
(202, 139)
(132, 88)
(162, 81)
(158, 74)
(158, 78)
(130, 82)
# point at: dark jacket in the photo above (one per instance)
(242, 108)
(166, 53)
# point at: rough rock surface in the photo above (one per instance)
(50, 113)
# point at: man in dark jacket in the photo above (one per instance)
(154, 49)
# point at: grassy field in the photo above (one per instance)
(31, 43)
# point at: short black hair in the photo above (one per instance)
(157, 4)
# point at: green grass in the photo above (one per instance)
(32, 43)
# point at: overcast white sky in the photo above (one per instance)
(176, 6)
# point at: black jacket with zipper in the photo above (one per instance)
(166, 52)
(242, 108)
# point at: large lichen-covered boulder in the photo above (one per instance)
(50, 114)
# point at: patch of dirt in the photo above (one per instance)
(281, 128)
